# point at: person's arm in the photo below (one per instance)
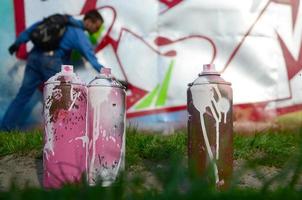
(22, 38)
(84, 46)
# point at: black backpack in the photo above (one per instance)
(48, 34)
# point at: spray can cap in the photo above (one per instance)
(105, 78)
(209, 69)
(106, 71)
(67, 69)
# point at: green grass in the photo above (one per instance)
(153, 147)
(196, 191)
(270, 148)
(20, 142)
(139, 146)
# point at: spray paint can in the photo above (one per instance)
(65, 138)
(106, 128)
(210, 126)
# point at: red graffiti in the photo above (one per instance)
(293, 66)
(170, 4)
(294, 4)
(89, 5)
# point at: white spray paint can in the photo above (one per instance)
(210, 125)
(106, 128)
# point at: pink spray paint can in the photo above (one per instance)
(106, 128)
(65, 138)
(210, 125)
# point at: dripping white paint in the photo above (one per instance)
(210, 124)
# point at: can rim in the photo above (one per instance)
(64, 83)
(115, 86)
(210, 82)
(209, 73)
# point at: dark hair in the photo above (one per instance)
(93, 15)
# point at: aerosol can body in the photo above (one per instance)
(210, 126)
(106, 127)
(65, 137)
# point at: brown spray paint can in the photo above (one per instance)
(210, 126)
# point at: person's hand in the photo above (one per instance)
(13, 48)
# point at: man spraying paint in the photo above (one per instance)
(63, 34)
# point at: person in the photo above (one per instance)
(42, 65)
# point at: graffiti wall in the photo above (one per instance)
(159, 46)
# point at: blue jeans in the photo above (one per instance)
(39, 68)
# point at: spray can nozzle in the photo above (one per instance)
(208, 69)
(105, 72)
(67, 69)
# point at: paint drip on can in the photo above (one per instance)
(65, 138)
(106, 128)
(210, 126)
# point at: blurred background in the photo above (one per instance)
(159, 46)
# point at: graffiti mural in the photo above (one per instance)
(159, 46)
